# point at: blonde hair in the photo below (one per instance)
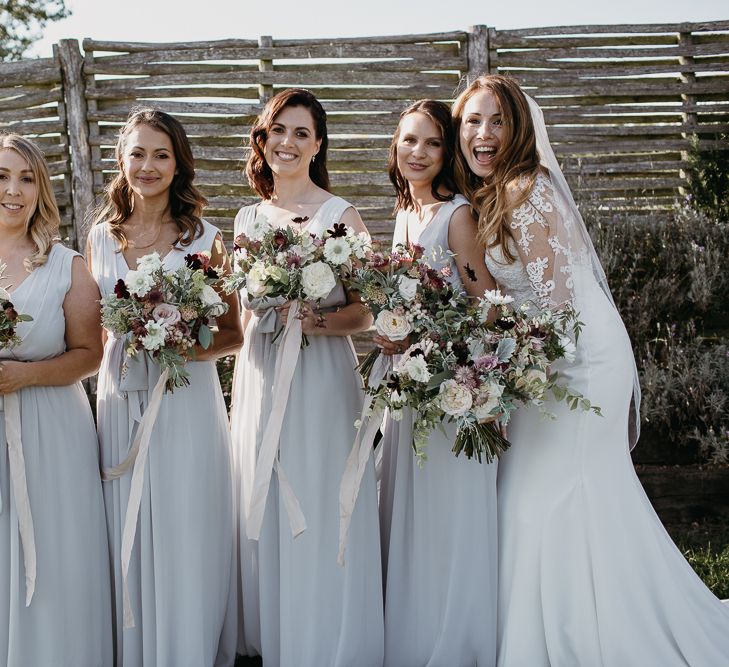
(516, 165)
(44, 220)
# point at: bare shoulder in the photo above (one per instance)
(351, 218)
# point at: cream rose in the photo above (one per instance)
(408, 287)
(256, 281)
(212, 299)
(317, 280)
(392, 326)
(455, 399)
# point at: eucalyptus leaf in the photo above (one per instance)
(205, 336)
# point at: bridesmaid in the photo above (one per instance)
(300, 609)
(182, 573)
(439, 521)
(55, 606)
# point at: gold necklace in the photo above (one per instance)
(136, 246)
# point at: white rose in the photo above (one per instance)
(392, 326)
(493, 392)
(455, 399)
(212, 299)
(416, 368)
(4, 294)
(532, 379)
(408, 287)
(138, 282)
(336, 250)
(166, 313)
(149, 263)
(156, 334)
(570, 349)
(258, 228)
(256, 281)
(317, 280)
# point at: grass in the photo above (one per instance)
(706, 547)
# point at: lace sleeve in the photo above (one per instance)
(542, 235)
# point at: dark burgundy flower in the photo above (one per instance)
(195, 261)
(340, 229)
(120, 289)
(505, 324)
(10, 312)
(154, 296)
(417, 251)
(279, 239)
(138, 328)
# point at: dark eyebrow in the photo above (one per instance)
(141, 148)
(301, 127)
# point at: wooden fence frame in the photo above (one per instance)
(623, 102)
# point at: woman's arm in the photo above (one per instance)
(469, 253)
(228, 338)
(83, 341)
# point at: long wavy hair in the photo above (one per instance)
(260, 176)
(515, 167)
(186, 202)
(440, 114)
(44, 219)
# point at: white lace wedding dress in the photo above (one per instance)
(588, 576)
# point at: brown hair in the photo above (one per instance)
(440, 114)
(44, 220)
(258, 172)
(515, 167)
(186, 202)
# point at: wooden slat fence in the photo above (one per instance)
(622, 104)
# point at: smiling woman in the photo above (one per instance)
(53, 550)
(152, 205)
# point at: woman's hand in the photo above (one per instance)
(14, 375)
(390, 347)
(311, 322)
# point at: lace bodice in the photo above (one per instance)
(542, 271)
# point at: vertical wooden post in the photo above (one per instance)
(265, 90)
(478, 51)
(74, 94)
(689, 117)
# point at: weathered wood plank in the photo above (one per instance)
(645, 28)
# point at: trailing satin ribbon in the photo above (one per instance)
(359, 455)
(137, 456)
(287, 356)
(19, 483)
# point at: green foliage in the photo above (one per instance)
(709, 177)
(21, 21)
(706, 548)
(669, 281)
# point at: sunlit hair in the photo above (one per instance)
(258, 171)
(515, 166)
(186, 202)
(440, 114)
(44, 219)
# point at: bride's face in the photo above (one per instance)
(481, 132)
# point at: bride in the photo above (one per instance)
(588, 576)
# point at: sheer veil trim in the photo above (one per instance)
(573, 247)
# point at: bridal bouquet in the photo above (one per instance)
(164, 314)
(405, 295)
(9, 317)
(291, 263)
(473, 369)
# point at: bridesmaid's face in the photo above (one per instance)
(291, 142)
(18, 189)
(419, 148)
(149, 162)
(481, 132)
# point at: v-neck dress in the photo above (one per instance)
(301, 609)
(68, 622)
(439, 527)
(182, 574)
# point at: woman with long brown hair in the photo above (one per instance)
(54, 568)
(300, 608)
(438, 516)
(587, 573)
(181, 576)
